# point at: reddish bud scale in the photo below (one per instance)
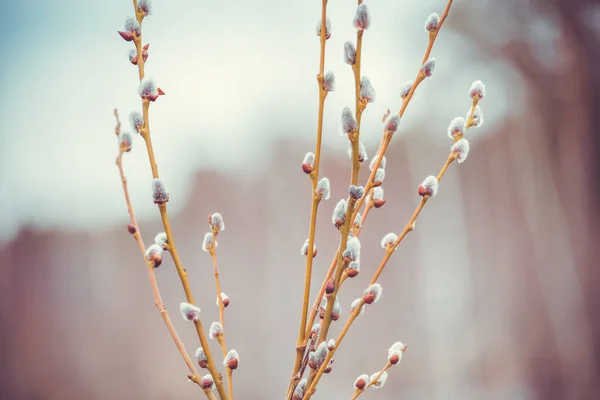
(369, 298)
(131, 229)
(203, 363)
(423, 191)
(156, 260)
(225, 302)
(330, 287)
(307, 168)
(378, 203)
(127, 36)
(233, 363)
(377, 183)
(206, 383)
(394, 359)
(351, 272)
(360, 384)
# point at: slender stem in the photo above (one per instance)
(311, 387)
(314, 175)
(194, 376)
(213, 254)
(145, 132)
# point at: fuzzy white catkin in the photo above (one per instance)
(432, 184)
(377, 193)
(460, 150)
(367, 92)
(309, 159)
(428, 67)
(362, 19)
(231, 355)
(323, 189)
(136, 121)
(432, 22)
(160, 193)
(329, 81)
(389, 240)
(147, 87)
(339, 212)
(477, 90)
(381, 164)
(145, 6)
(131, 25)
(457, 127)
(161, 239)
(477, 116)
(355, 304)
(349, 53)
(189, 312)
(379, 382)
(376, 290)
(207, 243)
(407, 86)
(215, 330)
(216, 222)
(348, 122)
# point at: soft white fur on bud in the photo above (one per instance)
(327, 28)
(389, 240)
(323, 189)
(349, 124)
(367, 93)
(147, 87)
(331, 344)
(398, 346)
(362, 152)
(374, 290)
(379, 176)
(477, 90)
(477, 116)
(216, 330)
(357, 220)
(428, 68)
(200, 356)
(355, 304)
(377, 193)
(429, 186)
(207, 382)
(391, 123)
(152, 250)
(381, 164)
(125, 141)
(407, 86)
(161, 240)
(337, 309)
(352, 251)
(189, 311)
(354, 265)
(460, 150)
(349, 53)
(356, 192)
(339, 213)
(304, 248)
(432, 22)
(136, 121)
(309, 159)
(377, 383)
(316, 329)
(224, 299)
(207, 243)
(300, 388)
(231, 358)
(457, 127)
(329, 81)
(362, 19)
(216, 222)
(131, 25)
(145, 6)
(160, 193)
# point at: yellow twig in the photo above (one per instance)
(194, 376)
(145, 132)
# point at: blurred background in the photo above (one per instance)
(495, 292)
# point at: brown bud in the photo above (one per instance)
(327, 370)
(156, 259)
(360, 384)
(127, 36)
(377, 183)
(394, 359)
(424, 191)
(351, 272)
(225, 301)
(312, 364)
(206, 383)
(131, 229)
(134, 60)
(233, 363)
(335, 315)
(160, 92)
(369, 298)
(307, 168)
(378, 203)
(202, 364)
(330, 286)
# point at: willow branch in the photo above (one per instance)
(145, 132)
(193, 376)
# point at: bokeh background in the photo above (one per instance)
(495, 292)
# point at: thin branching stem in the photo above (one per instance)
(145, 132)
(314, 176)
(372, 381)
(194, 376)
